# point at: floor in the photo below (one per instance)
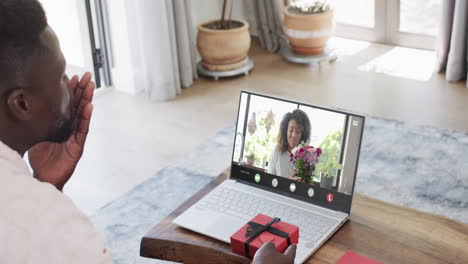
(131, 137)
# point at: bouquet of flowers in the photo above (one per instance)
(305, 158)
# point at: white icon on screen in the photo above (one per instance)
(274, 182)
(355, 123)
(292, 187)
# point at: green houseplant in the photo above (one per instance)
(329, 164)
(260, 139)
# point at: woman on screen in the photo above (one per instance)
(294, 129)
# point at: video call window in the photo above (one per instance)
(257, 142)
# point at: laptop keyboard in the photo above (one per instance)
(312, 225)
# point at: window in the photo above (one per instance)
(411, 23)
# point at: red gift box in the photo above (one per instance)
(260, 230)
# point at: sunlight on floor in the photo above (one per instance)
(402, 62)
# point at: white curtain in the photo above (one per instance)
(452, 42)
(167, 55)
(268, 15)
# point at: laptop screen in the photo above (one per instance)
(299, 150)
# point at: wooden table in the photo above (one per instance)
(382, 231)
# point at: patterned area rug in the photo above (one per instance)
(415, 166)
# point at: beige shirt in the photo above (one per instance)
(39, 224)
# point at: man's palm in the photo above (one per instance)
(55, 162)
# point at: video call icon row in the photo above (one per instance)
(292, 187)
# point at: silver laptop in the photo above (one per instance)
(264, 180)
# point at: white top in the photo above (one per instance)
(39, 224)
(280, 164)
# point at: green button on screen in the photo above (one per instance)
(257, 177)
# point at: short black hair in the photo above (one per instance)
(21, 24)
(302, 119)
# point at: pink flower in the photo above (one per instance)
(301, 150)
(291, 155)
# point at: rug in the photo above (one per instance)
(415, 166)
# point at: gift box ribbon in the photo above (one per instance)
(255, 229)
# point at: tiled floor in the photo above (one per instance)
(131, 138)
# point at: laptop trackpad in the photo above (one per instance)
(210, 223)
(226, 226)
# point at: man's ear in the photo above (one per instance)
(19, 105)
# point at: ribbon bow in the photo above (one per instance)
(255, 229)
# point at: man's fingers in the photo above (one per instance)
(80, 89)
(89, 92)
(86, 98)
(85, 80)
(83, 124)
(73, 82)
(291, 252)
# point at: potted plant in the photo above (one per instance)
(327, 170)
(328, 164)
(308, 24)
(223, 44)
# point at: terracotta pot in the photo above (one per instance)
(308, 34)
(223, 49)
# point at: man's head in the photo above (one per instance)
(35, 101)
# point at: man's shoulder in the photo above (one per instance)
(46, 224)
(26, 201)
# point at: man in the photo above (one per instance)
(44, 113)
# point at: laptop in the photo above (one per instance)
(264, 180)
